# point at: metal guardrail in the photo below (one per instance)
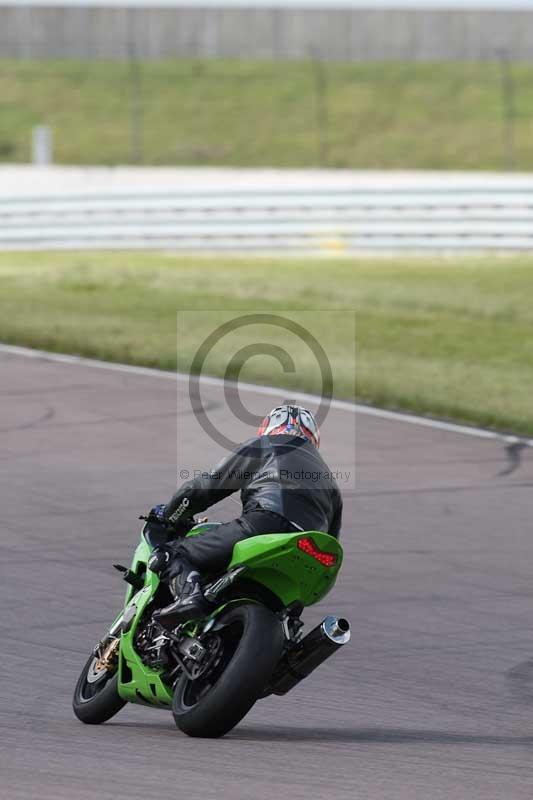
(252, 220)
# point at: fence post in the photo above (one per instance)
(136, 97)
(321, 107)
(41, 146)
(508, 110)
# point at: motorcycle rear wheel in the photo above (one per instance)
(251, 646)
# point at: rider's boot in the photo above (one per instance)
(190, 602)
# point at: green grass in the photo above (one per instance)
(440, 116)
(448, 337)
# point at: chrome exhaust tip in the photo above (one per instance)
(338, 630)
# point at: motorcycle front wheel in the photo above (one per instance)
(249, 646)
(96, 698)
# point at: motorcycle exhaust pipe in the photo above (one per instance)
(305, 656)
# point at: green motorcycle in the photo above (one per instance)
(211, 671)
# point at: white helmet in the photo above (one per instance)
(291, 421)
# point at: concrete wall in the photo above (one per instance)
(343, 34)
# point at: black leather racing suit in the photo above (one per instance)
(285, 486)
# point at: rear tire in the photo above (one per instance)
(253, 640)
(96, 701)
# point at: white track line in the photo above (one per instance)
(340, 405)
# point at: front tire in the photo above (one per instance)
(96, 698)
(251, 645)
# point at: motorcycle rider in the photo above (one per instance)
(285, 487)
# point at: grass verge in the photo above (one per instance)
(388, 116)
(451, 338)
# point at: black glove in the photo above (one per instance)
(157, 516)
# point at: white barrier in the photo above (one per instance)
(345, 220)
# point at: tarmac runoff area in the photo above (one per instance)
(433, 698)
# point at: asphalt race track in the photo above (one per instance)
(432, 699)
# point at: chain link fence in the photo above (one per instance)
(268, 113)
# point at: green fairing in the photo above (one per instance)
(137, 682)
(272, 560)
(275, 561)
